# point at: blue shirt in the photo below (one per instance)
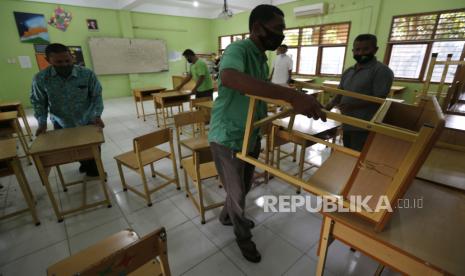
(72, 102)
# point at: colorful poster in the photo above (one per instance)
(60, 19)
(76, 52)
(32, 27)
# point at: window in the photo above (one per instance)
(224, 41)
(415, 37)
(318, 50)
(315, 50)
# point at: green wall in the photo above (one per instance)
(178, 32)
(373, 16)
(182, 32)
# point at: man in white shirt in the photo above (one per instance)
(282, 67)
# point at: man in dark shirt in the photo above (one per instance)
(369, 77)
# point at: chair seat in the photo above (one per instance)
(333, 175)
(89, 256)
(148, 156)
(196, 142)
(207, 170)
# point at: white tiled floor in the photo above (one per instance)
(287, 242)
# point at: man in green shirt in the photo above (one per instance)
(199, 72)
(244, 71)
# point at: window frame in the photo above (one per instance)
(428, 42)
(220, 50)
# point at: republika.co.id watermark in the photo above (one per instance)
(290, 203)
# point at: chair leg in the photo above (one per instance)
(198, 184)
(186, 184)
(146, 186)
(143, 111)
(62, 180)
(294, 153)
(301, 165)
(152, 169)
(121, 175)
(176, 175)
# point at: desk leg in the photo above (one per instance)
(163, 111)
(324, 243)
(44, 177)
(137, 107)
(156, 112)
(142, 106)
(101, 173)
(26, 123)
(22, 140)
(26, 190)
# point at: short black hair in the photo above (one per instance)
(55, 48)
(368, 37)
(263, 13)
(188, 52)
(283, 46)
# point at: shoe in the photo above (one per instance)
(228, 222)
(249, 251)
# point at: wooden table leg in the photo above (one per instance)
(142, 106)
(156, 111)
(25, 189)
(44, 177)
(323, 246)
(26, 123)
(137, 107)
(22, 140)
(101, 172)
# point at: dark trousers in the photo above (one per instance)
(88, 165)
(354, 139)
(236, 176)
(203, 94)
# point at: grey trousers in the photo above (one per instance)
(236, 176)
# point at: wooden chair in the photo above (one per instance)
(10, 165)
(195, 119)
(146, 153)
(400, 140)
(123, 253)
(17, 106)
(199, 167)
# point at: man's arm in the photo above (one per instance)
(184, 81)
(96, 105)
(302, 103)
(39, 101)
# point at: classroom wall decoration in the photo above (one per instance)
(60, 19)
(32, 27)
(92, 25)
(76, 52)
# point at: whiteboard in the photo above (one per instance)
(127, 55)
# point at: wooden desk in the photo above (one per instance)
(17, 106)
(144, 94)
(417, 241)
(63, 146)
(9, 158)
(9, 125)
(168, 99)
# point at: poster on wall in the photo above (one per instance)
(60, 19)
(92, 25)
(32, 27)
(76, 52)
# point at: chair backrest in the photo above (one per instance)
(119, 254)
(152, 139)
(192, 118)
(201, 156)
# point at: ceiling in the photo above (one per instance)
(204, 9)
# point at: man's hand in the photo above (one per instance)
(98, 122)
(307, 105)
(41, 130)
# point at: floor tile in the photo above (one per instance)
(218, 264)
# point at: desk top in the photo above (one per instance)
(196, 143)
(308, 126)
(434, 233)
(171, 94)
(10, 115)
(7, 149)
(7, 104)
(207, 104)
(67, 138)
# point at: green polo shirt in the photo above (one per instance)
(229, 113)
(200, 68)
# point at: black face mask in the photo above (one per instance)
(271, 40)
(363, 59)
(64, 71)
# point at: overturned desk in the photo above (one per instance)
(58, 147)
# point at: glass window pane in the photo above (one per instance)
(407, 59)
(308, 59)
(332, 60)
(237, 37)
(291, 37)
(292, 52)
(416, 27)
(225, 41)
(334, 34)
(444, 48)
(310, 36)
